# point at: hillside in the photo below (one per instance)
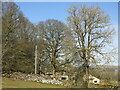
(12, 83)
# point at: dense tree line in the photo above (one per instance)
(78, 44)
(17, 40)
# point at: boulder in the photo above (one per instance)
(35, 78)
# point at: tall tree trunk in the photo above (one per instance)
(53, 64)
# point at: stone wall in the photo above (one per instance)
(36, 78)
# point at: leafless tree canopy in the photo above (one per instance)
(91, 30)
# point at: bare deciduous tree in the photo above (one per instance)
(90, 28)
(52, 32)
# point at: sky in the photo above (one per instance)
(41, 11)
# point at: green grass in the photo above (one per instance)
(14, 83)
(101, 86)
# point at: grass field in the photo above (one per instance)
(11, 83)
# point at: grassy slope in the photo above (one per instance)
(11, 83)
